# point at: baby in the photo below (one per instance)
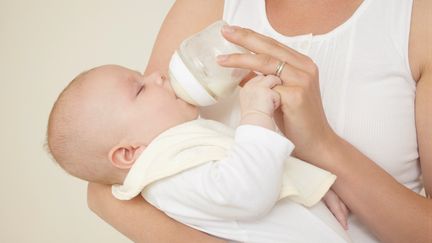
(114, 126)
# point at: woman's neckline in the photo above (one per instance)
(294, 38)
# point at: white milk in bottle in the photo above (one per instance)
(195, 75)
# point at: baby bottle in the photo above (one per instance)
(195, 75)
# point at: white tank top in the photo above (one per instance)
(366, 84)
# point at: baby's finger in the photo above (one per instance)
(276, 99)
(270, 81)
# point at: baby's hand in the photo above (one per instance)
(337, 207)
(257, 95)
(258, 101)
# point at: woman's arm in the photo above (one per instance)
(137, 219)
(393, 212)
(185, 18)
(421, 57)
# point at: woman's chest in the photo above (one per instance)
(369, 99)
(293, 18)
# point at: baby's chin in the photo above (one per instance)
(194, 111)
(191, 109)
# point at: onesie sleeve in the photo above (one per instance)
(244, 185)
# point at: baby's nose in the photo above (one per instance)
(158, 78)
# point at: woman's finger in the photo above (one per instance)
(261, 44)
(264, 64)
(335, 204)
(248, 77)
(345, 209)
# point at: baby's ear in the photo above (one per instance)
(124, 156)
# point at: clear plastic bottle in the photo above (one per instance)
(195, 75)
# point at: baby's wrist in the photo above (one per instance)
(258, 118)
(256, 112)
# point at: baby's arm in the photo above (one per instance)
(243, 186)
(247, 183)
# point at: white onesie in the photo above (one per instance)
(236, 197)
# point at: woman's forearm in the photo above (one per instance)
(140, 221)
(393, 212)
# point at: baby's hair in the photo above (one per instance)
(56, 105)
(65, 143)
(48, 146)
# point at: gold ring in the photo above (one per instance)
(279, 68)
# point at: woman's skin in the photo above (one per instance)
(403, 215)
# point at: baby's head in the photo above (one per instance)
(104, 119)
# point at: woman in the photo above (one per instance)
(366, 117)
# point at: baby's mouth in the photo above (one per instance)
(175, 95)
(167, 80)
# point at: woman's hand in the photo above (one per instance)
(337, 207)
(304, 121)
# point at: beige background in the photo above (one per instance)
(43, 45)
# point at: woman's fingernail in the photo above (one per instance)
(228, 29)
(222, 58)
